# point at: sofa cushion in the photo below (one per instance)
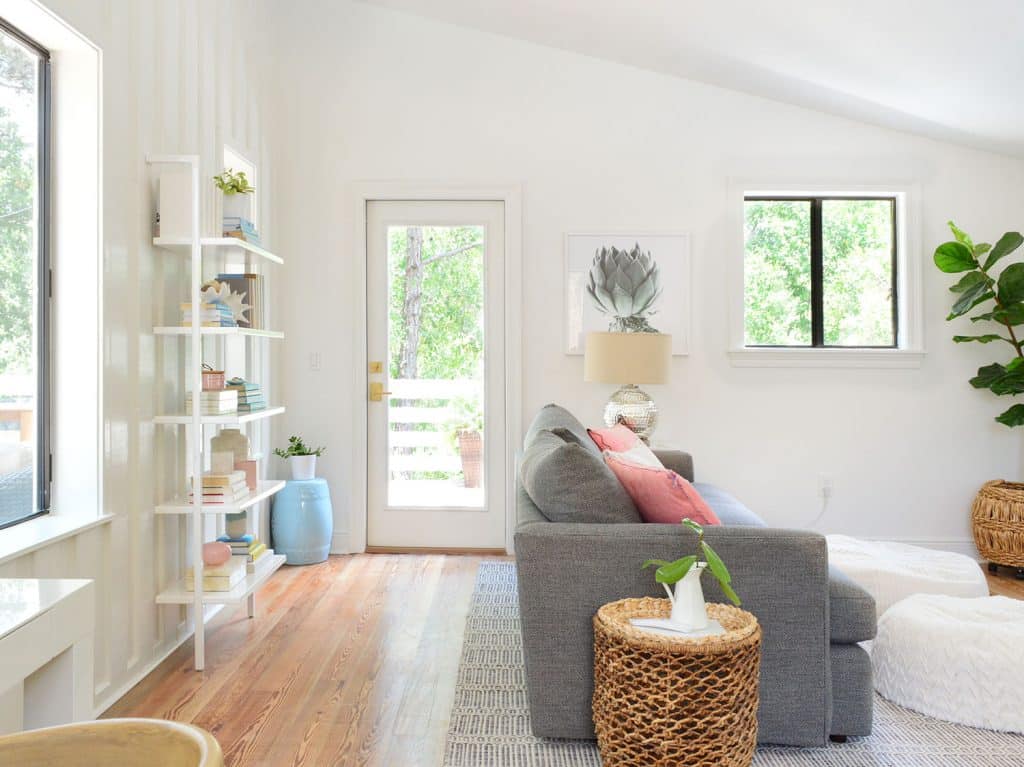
(660, 494)
(555, 417)
(570, 483)
(729, 510)
(851, 609)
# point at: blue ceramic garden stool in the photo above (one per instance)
(302, 522)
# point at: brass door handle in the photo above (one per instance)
(377, 391)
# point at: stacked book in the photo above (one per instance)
(250, 550)
(223, 488)
(250, 396)
(215, 402)
(216, 315)
(250, 285)
(220, 578)
(240, 228)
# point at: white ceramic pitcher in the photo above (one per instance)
(688, 610)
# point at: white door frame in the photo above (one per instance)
(363, 192)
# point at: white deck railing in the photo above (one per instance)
(431, 408)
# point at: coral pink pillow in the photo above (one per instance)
(660, 495)
(618, 438)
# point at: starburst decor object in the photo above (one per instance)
(625, 284)
(214, 292)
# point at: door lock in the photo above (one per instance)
(377, 391)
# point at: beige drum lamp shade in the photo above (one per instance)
(636, 358)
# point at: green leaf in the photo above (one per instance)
(1008, 243)
(693, 526)
(985, 339)
(730, 594)
(674, 571)
(1011, 284)
(952, 257)
(987, 374)
(1012, 417)
(1010, 314)
(974, 295)
(960, 235)
(715, 564)
(981, 249)
(1011, 382)
(969, 280)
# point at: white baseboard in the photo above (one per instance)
(109, 699)
(340, 543)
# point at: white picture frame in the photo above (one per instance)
(671, 251)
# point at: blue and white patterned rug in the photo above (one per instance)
(490, 721)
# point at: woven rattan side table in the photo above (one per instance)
(675, 702)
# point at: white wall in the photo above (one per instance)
(369, 94)
(179, 77)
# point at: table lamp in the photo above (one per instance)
(636, 358)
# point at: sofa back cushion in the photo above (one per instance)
(556, 418)
(571, 483)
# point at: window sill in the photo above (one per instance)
(29, 536)
(750, 357)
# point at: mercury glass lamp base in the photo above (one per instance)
(633, 408)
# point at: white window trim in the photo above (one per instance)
(909, 351)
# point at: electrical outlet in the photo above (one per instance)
(314, 360)
(825, 485)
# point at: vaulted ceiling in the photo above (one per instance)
(949, 69)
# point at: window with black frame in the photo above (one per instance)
(24, 278)
(820, 271)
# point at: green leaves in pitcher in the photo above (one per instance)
(669, 573)
(1003, 296)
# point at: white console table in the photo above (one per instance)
(46, 652)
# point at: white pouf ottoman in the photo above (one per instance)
(892, 571)
(954, 659)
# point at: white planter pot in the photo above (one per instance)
(238, 205)
(303, 466)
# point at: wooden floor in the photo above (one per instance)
(352, 662)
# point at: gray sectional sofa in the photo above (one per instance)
(815, 679)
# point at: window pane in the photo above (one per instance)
(19, 110)
(857, 272)
(777, 273)
(436, 367)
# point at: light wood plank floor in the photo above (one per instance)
(352, 662)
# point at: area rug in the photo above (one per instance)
(490, 721)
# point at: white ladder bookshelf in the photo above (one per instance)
(195, 248)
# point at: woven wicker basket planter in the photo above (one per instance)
(997, 518)
(668, 702)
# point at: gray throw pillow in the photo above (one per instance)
(570, 483)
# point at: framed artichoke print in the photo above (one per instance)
(626, 282)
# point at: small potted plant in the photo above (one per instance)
(465, 430)
(300, 457)
(689, 613)
(235, 187)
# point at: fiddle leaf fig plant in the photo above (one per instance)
(669, 573)
(998, 298)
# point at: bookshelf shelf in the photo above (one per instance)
(264, 489)
(177, 594)
(186, 330)
(231, 419)
(184, 246)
